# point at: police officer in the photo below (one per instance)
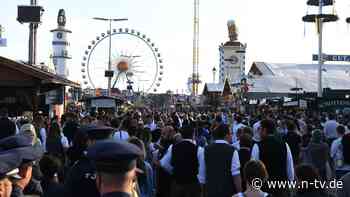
(81, 178)
(8, 169)
(116, 167)
(29, 154)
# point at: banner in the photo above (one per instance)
(103, 103)
(3, 42)
(55, 96)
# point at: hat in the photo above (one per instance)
(114, 156)
(21, 145)
(97, 132)
(29, 154)
(27, 127)
(15, 141)
(9, 164)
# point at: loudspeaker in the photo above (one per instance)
(109, 73)
(29, 14)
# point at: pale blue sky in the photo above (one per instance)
(272, 29)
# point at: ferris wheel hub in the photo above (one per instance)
(123, 66)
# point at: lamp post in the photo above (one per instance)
(320, 55)
(110, 74)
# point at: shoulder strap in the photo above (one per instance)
(245, 148)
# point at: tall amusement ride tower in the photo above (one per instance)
(195, 71)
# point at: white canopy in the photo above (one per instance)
(281, 78)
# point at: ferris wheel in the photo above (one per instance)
(135, 61)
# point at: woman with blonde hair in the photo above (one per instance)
(29, 131)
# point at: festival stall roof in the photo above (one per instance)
(282, 78)
(18, 74)
(221, 88)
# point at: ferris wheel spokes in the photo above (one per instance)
(134, 58)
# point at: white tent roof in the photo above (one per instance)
(215, 87)
(281, 78)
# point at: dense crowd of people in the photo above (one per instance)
(145, 153)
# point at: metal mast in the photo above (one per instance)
(32, 39)
(320, 54)
(195, 73)
(320, 19)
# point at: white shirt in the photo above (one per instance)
(282, 131)
(335, 148)
(256, 132)
(17, 129)
(303, 126)
(165, 162)
(224, 118)
(152, 126)
(152, 147)
(235, 130)
(235, 164)
(43, 138)
(290, 165)
(121, 136)
(237, 145)
(330, 129)
(64, 141)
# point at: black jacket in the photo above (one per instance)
(52, 189)
(116, 194)
(81, 180)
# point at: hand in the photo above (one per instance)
(5, 188)
(156, 162)
(26, 174)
